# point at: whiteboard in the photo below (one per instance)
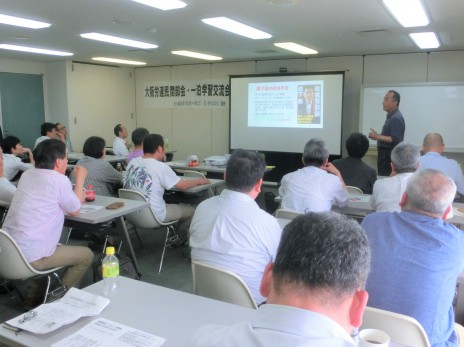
(426, 108)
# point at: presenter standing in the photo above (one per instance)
(392, 132)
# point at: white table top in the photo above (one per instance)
(164, 312)
(74, 156)
(183, 165)
(194, 190)
(103, 215)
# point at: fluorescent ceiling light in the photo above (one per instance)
(295, 47)
(163, 4)
(119, 61)
(22, 22)
(196, 55)
(34, 50)
(409, 13)
(425, 40)
(235, 27)
(118, 40)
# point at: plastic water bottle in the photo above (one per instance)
(110, 271)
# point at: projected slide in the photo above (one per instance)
(281, 112)
(296, 104)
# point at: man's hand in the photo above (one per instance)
(329, 167)
(374, 135)
(80, 173)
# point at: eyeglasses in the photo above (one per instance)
(60, 128)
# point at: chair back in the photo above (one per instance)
(219, 284)
(143, 218)
(13, 263)
(401, 328)
(286, 214)
(354, 190)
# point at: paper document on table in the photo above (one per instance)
(48, 317)
(102, 332)
(89, 208)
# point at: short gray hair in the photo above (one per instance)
(430, 191)
(315, 153)
(322, 251)
(405, 157)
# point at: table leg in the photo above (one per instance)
(121, 226)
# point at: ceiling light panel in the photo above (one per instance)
(196, 55)
(119, 61)
(164, 5)
(409, 13)
(425, 40)
(294, 47)
(34, 50)
(235, 27)
(118, 40)
(22, 22)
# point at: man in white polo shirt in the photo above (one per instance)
(120, 145)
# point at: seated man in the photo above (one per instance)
(137, 139)
(317, 186)
(12, 164)
(387, 192)
(315, 289)
(433, 148)
(120, 145)
(231, 231)
(48, 131)
(353, 170)
(151, 176)
(417, 257)
(62, 134)
(7, 189)
(100, 174)
(36, 216)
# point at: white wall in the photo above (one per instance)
(99, 96)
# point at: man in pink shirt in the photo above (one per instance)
(36, 216)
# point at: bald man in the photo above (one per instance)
(433, 148)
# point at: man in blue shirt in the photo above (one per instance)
(392, 132)
(433, 148)
(417, 257)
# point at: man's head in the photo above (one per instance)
(309, 94)
(51, 155)
(61, 129)
(153, 144)
(433, 142)
(405, 158)
(391, 101)
(357, 145)
(120, 131)
(12, 145)
(48, 129)
(321, 264)
(244, 171)
(94, 147)
(429, 192)
(138, 135)
(315, 153)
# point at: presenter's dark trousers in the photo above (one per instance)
(383, 161)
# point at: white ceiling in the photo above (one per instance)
(332, 27)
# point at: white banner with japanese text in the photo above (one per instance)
(187, 94)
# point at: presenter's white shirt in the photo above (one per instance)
(230, 231)
(312, 189)
(387, 192)
(119, 147)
